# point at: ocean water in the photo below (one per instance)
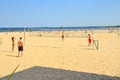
(20, 29)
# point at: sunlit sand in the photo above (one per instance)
(71, 54)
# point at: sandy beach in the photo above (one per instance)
(72, 54)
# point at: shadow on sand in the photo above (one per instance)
(86, 47)
(11, 55)
(6, 51)
(44, 73)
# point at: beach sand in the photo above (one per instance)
(71, 54)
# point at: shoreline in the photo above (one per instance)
(29, 29)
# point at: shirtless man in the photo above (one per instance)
(20, 47)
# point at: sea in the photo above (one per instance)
(20, 29)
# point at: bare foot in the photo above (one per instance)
(17, 56)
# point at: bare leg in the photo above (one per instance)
(21, 53)
(12, 47)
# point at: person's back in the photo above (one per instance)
(20, 43)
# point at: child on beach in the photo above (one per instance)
(13, 43)
(89, 40)
(20, 47)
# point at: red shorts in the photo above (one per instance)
(89, 40)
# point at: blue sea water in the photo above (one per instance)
(20, 29)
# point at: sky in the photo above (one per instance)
(56, 13)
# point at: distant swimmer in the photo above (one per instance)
(20, 47)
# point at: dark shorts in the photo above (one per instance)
(20, 48)
(62, 36)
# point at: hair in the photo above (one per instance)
(89, 35)
(20, 38)
(12, 38)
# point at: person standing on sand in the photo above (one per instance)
(63, 36)
(13, 43)
(89, 40)
(20, 47)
